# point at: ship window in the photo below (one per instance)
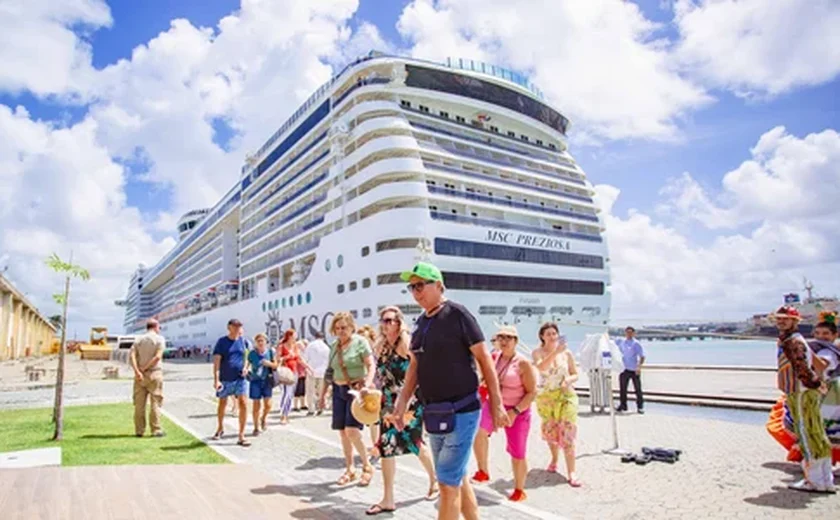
(431, 182)
(340, 261)
(327, 264)
(511, 134)
(539, 142)
(524, 137)
(433, 208)
(353, 286)
(450, 247)
(355, 314)
(397, 243)
(308, 297)
(367, 313)
(424, 108)
(291, 301)
(494, 129)
(454, 211)
(551, 145)
(527, 310)
(365, 251)
(492, 309)
(299, 299)
(528, 284)
(340, 288)
(474, 214)
(460, 119)
(405, 103)
(388, 279)
(444, 114)
(366, 283)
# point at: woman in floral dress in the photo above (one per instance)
(557, 402)
(391, 366)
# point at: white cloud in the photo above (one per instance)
(40, 52)
(598, 61)
(760, 47)
(64, 188)
(61, 191)
(788, 191)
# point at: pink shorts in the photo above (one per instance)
(517, 433)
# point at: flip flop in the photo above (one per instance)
(434, 492)
(376, 509)
(217, 436)
(243, 442)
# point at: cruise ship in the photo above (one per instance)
(393, 160)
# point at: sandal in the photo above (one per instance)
(552, 468)
(348, 477)
(367, 476)
(243, 442)
(434, 491)
(575, 483)
(256, 432)
(217, 436)
(377, 509)
(262, 424)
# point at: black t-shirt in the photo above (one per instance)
(441, 344)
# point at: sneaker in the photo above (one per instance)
(518, 495)
(480, 477)
(641, 411)
(159, 434)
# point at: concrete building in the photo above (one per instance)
(23, 330)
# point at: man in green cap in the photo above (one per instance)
(446, 345)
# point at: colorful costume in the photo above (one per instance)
(558, 407)
(800, 384)
(780, 423)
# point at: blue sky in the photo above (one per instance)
(674, 95)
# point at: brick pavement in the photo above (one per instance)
(728, 470)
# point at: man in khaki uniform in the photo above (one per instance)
(146, 358)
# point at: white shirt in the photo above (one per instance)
(317, 356)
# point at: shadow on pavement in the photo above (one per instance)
(327, 506)
(787, 467)
(784, 498)
(335, 463)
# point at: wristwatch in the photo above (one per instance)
(516, 410)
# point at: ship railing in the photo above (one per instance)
(510, 203)
(288, 218)
(260, 265)
(496, 71)
(318, 140)
(286, 201)
(276, 241)
(485, 177)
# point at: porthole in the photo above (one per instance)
(263, 306)
(300, 299)
(340, 261)
(327, 264)
(308, 297)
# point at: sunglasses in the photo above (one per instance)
(388, 321)
(417, 286)
(504, 336)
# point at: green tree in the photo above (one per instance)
(69, 270)
(55, 319)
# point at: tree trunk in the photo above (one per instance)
(58, 410)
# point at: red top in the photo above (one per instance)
(290, 356)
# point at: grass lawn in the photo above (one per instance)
(101, 434)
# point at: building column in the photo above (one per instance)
(17, 328)
(5, 314)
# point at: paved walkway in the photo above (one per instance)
(207, 492)
(728, 470)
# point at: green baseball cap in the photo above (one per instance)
(423, 270)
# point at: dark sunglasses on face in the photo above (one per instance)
(388, 321)
(417, 287)
(504, 336)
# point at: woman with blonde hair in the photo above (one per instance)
(557, 402)
(393, 357)
(353, 368)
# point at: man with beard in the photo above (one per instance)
(803, 390)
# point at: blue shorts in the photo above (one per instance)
(260, 389)
(451, 451)
(342, 415)
(229, 388)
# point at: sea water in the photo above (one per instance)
(709, 351)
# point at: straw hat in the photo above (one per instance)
(506, 330)
(785, 311)
(365, 409)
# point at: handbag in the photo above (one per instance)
(284, 376)
(439, 418)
